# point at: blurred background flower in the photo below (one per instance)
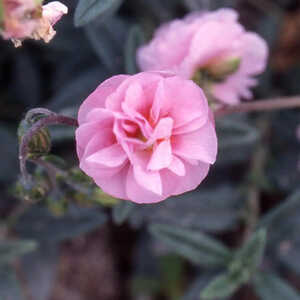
(213, 49)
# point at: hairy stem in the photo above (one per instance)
(260, 105)
(51, 119)
(50, 169)
(38, 111)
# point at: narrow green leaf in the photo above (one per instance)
(270, 287)
(87, 10)
(10, 250)
(135, 39)
(222, 286)
(193, 245)
(249, 257)
(122, 211)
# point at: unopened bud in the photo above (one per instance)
(40, 144)
(223, 68)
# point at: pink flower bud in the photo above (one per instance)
(146, 137)
(202, 45)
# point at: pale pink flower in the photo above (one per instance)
(146, 137)
(213, 49)
(24, 19)
(52, 12)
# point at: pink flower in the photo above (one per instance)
(52, 12)
(146, 137)
(213, 49)
(26, 19)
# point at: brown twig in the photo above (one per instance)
(260, 105)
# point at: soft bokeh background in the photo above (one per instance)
(82, 253)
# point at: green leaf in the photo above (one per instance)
(241, 268)
(121, 211)
(222, 286)
(87, 10)
(10, 250)
(270, 287)
(249, 257)
(193, 245)
(135, 39)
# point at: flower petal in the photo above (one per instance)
(163, 129)
(194, 175)
(148, 180)
(183, 101)
(177, 166)
(116, 184)
(112, 156)
(161, 156)
(138, 193)
(85, 133)
(200, 144)
(98, 97)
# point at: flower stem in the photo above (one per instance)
(260, 105)
(256, 171)
(51, 119)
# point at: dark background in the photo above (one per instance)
(82, 253)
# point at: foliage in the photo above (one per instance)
(193, 246)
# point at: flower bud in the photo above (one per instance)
(40, 144)
(221, 69)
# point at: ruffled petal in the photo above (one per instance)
(112, 156)
(177, 166)
(138, 193)
(200, 145)
(98, 97)
(161, 156)
(183, 104)
(116, 184)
